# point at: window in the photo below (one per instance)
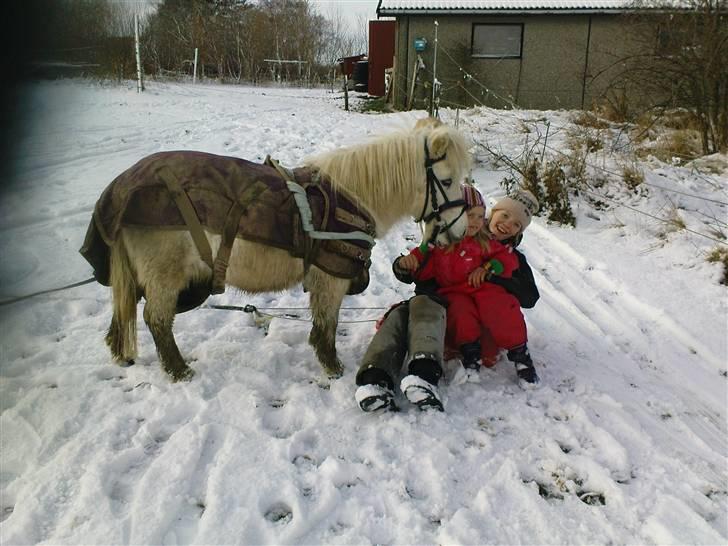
(497, 41)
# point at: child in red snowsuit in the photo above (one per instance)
(462, 270)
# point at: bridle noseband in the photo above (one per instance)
(433, 186)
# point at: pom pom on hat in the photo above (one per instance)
(522, 204)
(472, 197)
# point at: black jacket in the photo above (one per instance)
(522, 285)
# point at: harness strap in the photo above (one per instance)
(351, 251)
(229, 233)
(304, 208)
(348, 218)
(299, 195)
(188, 214)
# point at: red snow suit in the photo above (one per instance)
(473, 312)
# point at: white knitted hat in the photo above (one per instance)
(522, 204)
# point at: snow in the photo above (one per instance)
(625, 442)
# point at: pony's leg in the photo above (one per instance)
(164, 263)
(159, 312)
(326, 295)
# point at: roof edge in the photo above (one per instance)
(392, 12)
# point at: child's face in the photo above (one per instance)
(503, 225)
(476, 219)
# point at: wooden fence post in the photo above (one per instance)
(346, 92)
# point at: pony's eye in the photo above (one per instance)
(447, 182)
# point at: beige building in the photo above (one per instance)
(542, 54)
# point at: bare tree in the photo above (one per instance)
(360, 33)
(683, 62)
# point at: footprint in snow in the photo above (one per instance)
(279, 514)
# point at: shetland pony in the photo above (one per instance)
(389, 178)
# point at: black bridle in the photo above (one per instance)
(433, 186)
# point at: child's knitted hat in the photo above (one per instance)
(522, 204)
(472, 197)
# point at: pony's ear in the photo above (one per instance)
(438, 141)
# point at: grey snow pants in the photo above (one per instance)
(417, 326)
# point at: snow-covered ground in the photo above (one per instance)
(625, 443)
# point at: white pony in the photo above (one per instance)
(415, 173)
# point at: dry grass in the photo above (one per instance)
(679, 119)
(672, 146)
(675, 221)
(632, 176)
(613, 108)
(589, 119)
(580, 143)
(720, 255)
(670, 136)
(556, 194)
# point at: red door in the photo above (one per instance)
(381, 54)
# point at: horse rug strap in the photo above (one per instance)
(230, 232)
(188, 213)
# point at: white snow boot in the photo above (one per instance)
(375, 398)
(422, 394)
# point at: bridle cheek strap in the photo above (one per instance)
(433, 184)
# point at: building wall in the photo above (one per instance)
(560, 56)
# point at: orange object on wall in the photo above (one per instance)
(381, 54)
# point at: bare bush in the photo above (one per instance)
(682, 63)
(551, 182)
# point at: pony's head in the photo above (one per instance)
(447, 162)
(406, 173)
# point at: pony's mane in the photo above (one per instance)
(384, 173)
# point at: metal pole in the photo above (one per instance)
(140, 84)
(434, 72)
(194, 69)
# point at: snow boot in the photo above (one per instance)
(420, 386)
(527, 376)
(421, 393)
(471, 362)
(373, 398)
(376, 391)
(427, 366)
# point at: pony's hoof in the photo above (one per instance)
(334, 372)
(186, 374)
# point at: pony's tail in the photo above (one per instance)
(122, 335)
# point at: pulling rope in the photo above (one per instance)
(252, 309)
(257, 314)
(51, 290)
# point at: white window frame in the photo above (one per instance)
(517, 55)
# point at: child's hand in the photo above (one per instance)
(477, 277)
(408, 263)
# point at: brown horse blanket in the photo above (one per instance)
(266, 210)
